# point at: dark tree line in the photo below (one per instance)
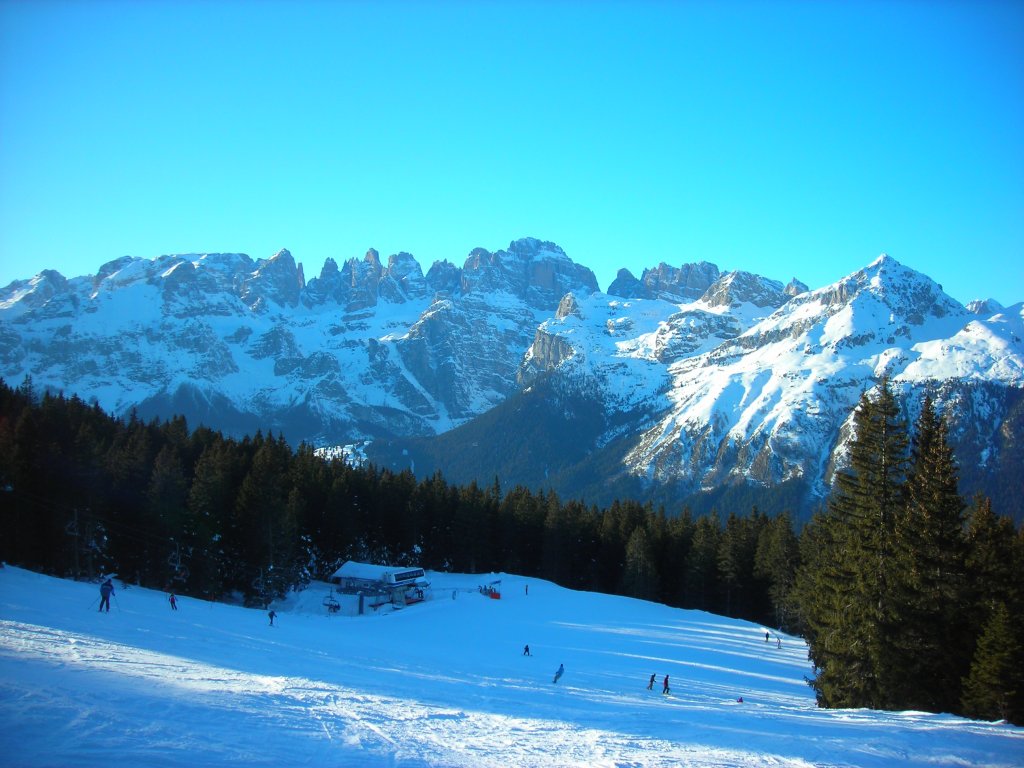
(169, 507)
(892, 584)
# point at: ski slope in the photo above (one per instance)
(441, 683)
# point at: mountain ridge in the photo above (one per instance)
(692, 379)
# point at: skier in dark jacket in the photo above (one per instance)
(106, 590)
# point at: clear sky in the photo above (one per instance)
(792, 139)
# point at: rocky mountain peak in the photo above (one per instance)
(675, 284)
(403, 279)
(908, 293)
(443, 277)
(626, 286)
(984, 307)
(735, 288)
(535, 270)
(33, 294)
(277, 279)
(795, 288)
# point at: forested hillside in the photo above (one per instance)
(895, 571)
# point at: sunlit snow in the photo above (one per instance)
(441, 683)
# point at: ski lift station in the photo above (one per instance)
(389, 584)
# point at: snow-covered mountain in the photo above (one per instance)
(361, 351)
(755, 383)
(214, 685)
(684, 381)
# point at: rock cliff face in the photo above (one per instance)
(362, 350)
(690, 379)
(676, 284)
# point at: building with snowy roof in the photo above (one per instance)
(398, 585)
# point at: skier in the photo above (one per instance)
(106, 590)
(558, 674)
(173, 601)
(271, 615)
(664, 688)
(526, 651)
(650, 683)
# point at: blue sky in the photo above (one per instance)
(791, 139)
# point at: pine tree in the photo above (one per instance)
(267, 533)
(702, 565)
(640, 577)
(931, 640)
(992, 559)
(995, 687)
(776, 561)
(847, 590)
(208, 526)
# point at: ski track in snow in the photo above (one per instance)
(435, 685)
(400, 731)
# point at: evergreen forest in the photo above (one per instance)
(908, 597)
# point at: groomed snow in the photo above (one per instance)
(441, 683)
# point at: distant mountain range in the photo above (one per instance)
(687, 385)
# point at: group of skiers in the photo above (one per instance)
(664, 686)
(107, 590)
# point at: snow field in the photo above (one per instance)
(442, 683)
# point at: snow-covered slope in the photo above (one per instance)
(441, 683)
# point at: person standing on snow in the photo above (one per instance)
(558, 674)
(106, 590)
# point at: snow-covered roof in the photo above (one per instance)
(368, 571)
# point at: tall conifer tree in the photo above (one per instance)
(932, 638)
(848, 587)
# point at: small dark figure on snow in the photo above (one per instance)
(650, 683)
(173, 601)
(526, 651)
(664, 688)
(271, 615)
(559, 673)
(106, 590)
